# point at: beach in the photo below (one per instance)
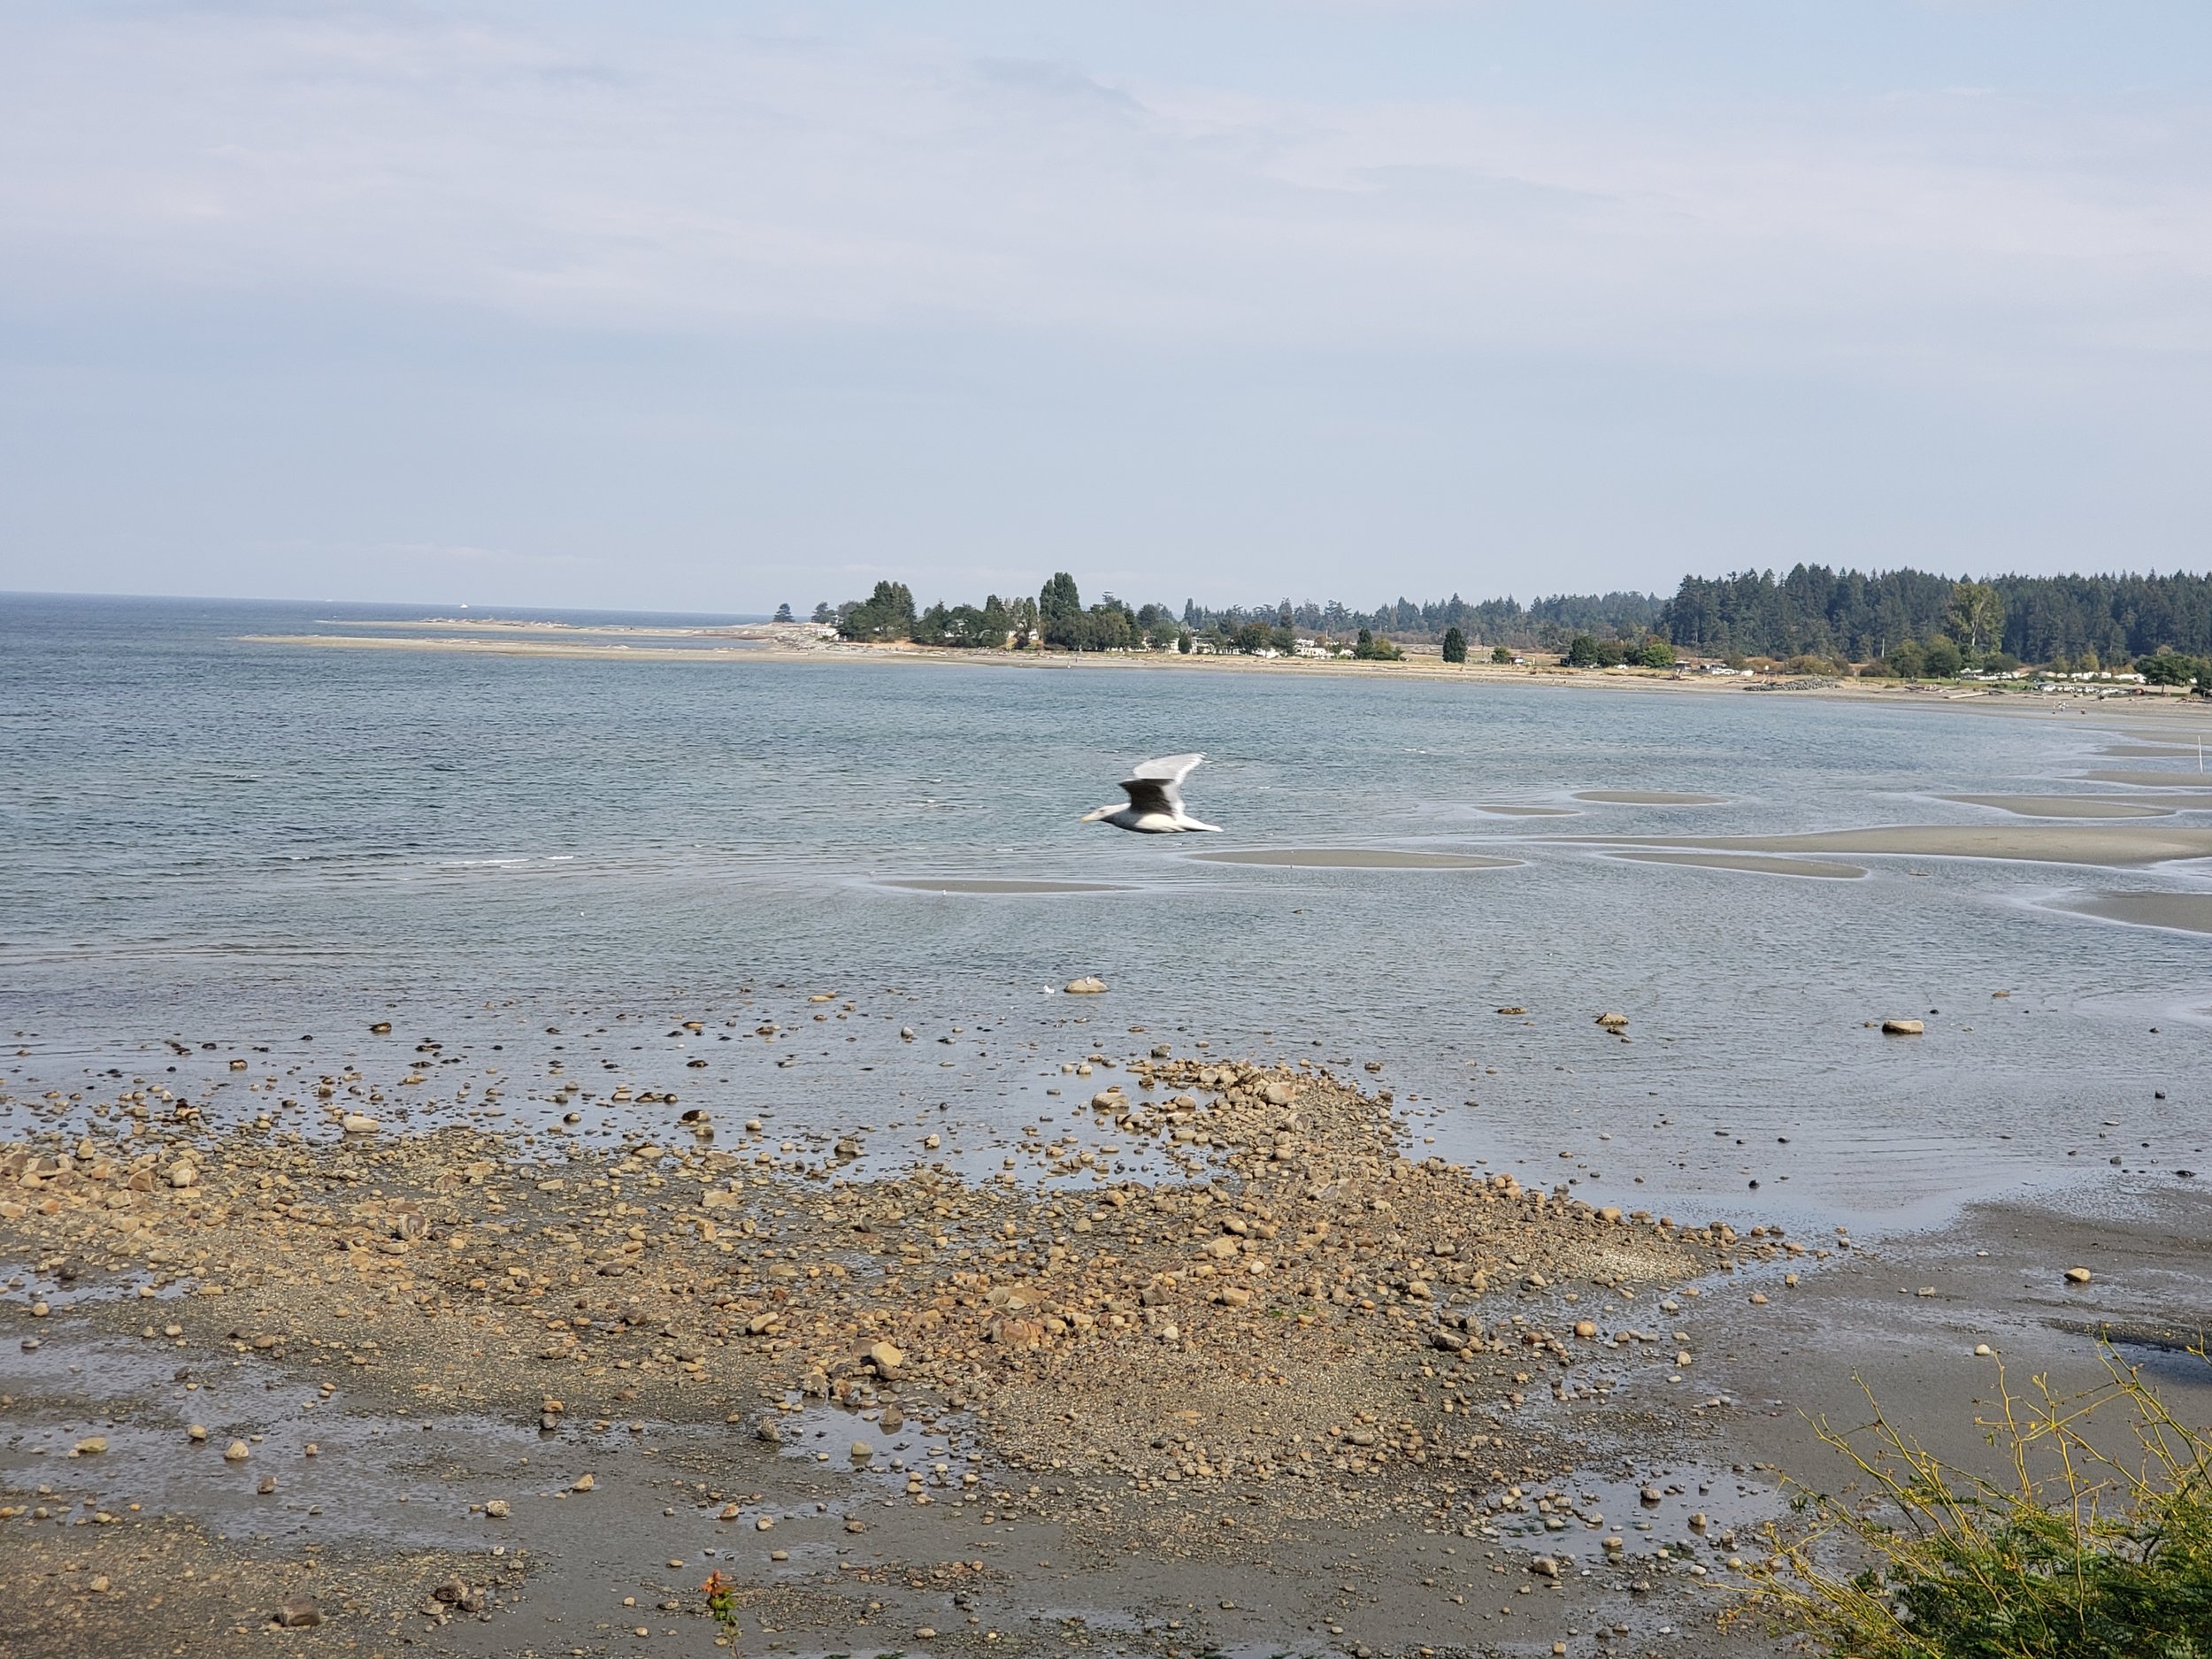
(1291, 1382)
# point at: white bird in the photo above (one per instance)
(1155, 800)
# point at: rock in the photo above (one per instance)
(582, 1483)
(2077, 1276)
(856, 1526)
(382, 1028)
(885, 1358)
(1585, 1329)
(1982, 1350)
(1544, 1567)
(360, 1123)
(1650, 1494)
(196, 1433)
(237, 1452)
(1613, 1022)
(495, 1510)
(182, 1175)
(862, 1451)
(267, 1485)
(91, 1446)
(1089, 985)
(769, 1431)
(1903, 1027)
(299, 1613)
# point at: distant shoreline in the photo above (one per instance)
(756, 642)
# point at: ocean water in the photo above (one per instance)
(263, 849)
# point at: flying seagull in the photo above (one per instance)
(1155, 800)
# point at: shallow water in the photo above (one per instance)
(242, 844)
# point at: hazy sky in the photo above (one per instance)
(711, 306)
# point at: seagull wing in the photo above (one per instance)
(1173, 768)
(1154, 786)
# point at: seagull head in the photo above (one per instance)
(1099, 812)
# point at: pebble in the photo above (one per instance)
(1089, 985)
(2077, 1276)
(360, 1123)
(496, 1509)
(582, 1483)
(1903, 1027)
(91, 1446)
(237, 1452)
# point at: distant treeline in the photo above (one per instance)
(1543, 624)
(1057, 617)
(1901, 617)
(1817, 611)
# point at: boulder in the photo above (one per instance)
(1089, 985)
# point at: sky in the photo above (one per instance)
(691, 306)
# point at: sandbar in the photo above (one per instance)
(1648, 797)
(2149, 751)
(2030, 843)
(987, 884)
(2189, 912)
(1354, 858)
(1754, 863)
(576, 647)
(2065, 805)
(2154, 779)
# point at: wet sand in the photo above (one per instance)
(2153, 780)
(2113, 847)
(1354, 858)
(1216, 1356)
(1509, 810)
(1752, 863)
(2187, 912)
(2088, 806)
(554, 1376)
(989, 885)
(1648, 797)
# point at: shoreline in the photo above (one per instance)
(1294, 1384)
(1200, 1315)
(1900, 693)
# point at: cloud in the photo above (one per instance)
(713, 180)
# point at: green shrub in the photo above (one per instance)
(2088, 1548)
